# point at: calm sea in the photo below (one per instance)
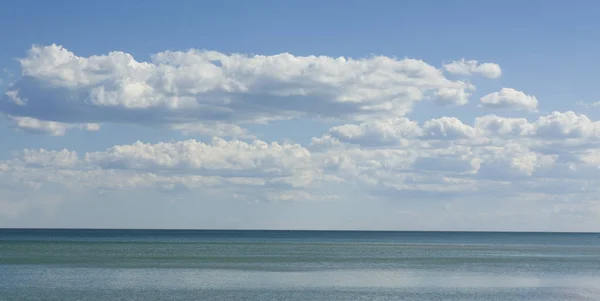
(297, 265)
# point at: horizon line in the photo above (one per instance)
(300, 230)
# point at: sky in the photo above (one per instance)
(340, 115)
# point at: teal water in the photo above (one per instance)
(297, 265)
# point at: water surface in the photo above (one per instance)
(297, 265)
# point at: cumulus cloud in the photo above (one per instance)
(395, 132)
(447, 128)
(452, 96)
(372, 149)
(228, 158)
(439, 158)
(556, 125)
(398, 156)
(509, 98)
(221, 158)
(210, 87)
(566, 125)
(568, 128)
(262, 171)
(504, 126)
(454, 160)
(464, 67)
(511, 161)
(379, 132)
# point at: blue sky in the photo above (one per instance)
(528, 74)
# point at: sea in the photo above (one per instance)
(75, 264)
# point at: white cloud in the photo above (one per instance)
(264, 172)
(447, 128)
(452, 160)
(213, 130)
(379, 132)
(52, 128)
(566, 125)
(453, 163)
(564, 128)
(503, 126)
(208, 87)
(588, 105)
(45, 158)
(90, 127)
(452, 96)
(556, 125)
(36, 126)
(511, 161)
(487, 155)
(509, 98)
(14, 97)
(464, 67)
(256, 162)
(371, 153)
(395, 132)
(221, 156)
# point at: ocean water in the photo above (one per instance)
(297, 265)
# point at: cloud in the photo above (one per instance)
(176, 89)
(558, 128)
(447, 128)
(452, 96)
(512, 161)
(261, 171)
(443, 159)
(395, 132)
(226, 158)
(556, 125)
(213, 130)
(46, 158)
(36, 126)
(504, 126)
(379, 132)
(13, 96)
(370, 153)
(401, 155)
(455, 160)
(90, 127)
(588, 105)
(509, 98)
(464, 67)
(566, 125)
(52, 128)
